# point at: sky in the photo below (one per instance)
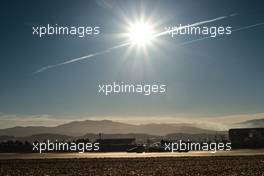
(221, 76)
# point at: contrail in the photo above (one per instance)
(191, 25)
(248, 27)
(126, 44)
(81, 58)
(208, 37)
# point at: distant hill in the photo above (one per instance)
(44, 137)
(255, 123)
(197, 137)
(79, 128)
(6, 138)
(140, 138)
(38, 137)
(24, 131)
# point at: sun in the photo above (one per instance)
(141, 34)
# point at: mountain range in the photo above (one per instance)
(79, 128)
(255, 123)
(93, 127)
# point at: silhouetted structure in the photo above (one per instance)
(116, 145)
(247, 138)
(15, 146)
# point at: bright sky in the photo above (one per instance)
(212, 77)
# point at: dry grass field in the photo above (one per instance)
(217, 165)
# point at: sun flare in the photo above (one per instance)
(141, 34)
